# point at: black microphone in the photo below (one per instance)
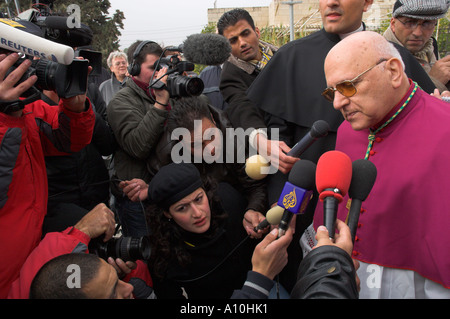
(319, 129)
(297, 192)
(206, 49)
(364, 174)
(273, 217)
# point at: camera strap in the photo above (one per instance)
(9, 107)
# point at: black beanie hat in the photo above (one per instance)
(172, 183)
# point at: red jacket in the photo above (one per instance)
(71, 240)
(41, 130)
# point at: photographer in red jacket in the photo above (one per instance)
(28, 132)
(123, 280)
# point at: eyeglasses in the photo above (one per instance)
(347, 88)
(412, 24)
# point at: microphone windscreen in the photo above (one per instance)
(303, 174)
(256, 166)
(334, 170)
(319, 129)
(206, 49)
(274, 215)
(364, 174)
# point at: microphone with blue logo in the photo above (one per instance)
(297, 192)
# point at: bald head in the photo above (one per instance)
(377, 69)
(362, 48)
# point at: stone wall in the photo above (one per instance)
(306, 14)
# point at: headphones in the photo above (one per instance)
(135, 68)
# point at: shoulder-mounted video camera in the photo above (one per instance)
(37, 33)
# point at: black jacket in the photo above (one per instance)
(326, 272)
(76, 178)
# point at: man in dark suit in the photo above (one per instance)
(248, 57)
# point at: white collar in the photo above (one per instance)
(344, 35)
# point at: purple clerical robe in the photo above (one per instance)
(405, 221)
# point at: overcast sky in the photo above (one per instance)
(169, 22)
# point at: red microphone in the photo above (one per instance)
(333, 177)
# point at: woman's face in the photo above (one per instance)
(192, 213)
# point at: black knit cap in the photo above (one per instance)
(172, 183)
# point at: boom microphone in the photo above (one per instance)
(206, 49)
(297, 192)
(273, 217)
(364, 174)
(319, 129)
(14, 39)
(333, 177)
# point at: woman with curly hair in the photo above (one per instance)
(199, 247)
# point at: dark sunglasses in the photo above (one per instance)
(347, 88)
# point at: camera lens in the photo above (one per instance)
(194, 86)
(46, 72)
(132, 248)
(183, 86)
(125, 248)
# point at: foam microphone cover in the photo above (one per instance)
(334, 170)
(206, 49)
(303, 174)
(364, 174)
(319, 129)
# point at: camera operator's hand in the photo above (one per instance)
(122, 268)
(7, 90)
(77, 103)
(136, 189)
(97, 222)
(161, 95)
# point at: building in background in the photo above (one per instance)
(306, 15)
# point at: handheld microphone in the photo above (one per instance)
(333, 177)
(14, 39)
(364, 174)
(319, 129)
(206, 49)
(256, 167)
(273, 217)
(297, 192)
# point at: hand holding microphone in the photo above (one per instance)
(333, 177)
(273, 217)
(257, 165)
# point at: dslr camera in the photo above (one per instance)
(125, 248)
(178, 85)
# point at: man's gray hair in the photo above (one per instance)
(386, 49)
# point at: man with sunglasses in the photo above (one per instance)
(412, 26)
(402, 237)
(289, 88)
